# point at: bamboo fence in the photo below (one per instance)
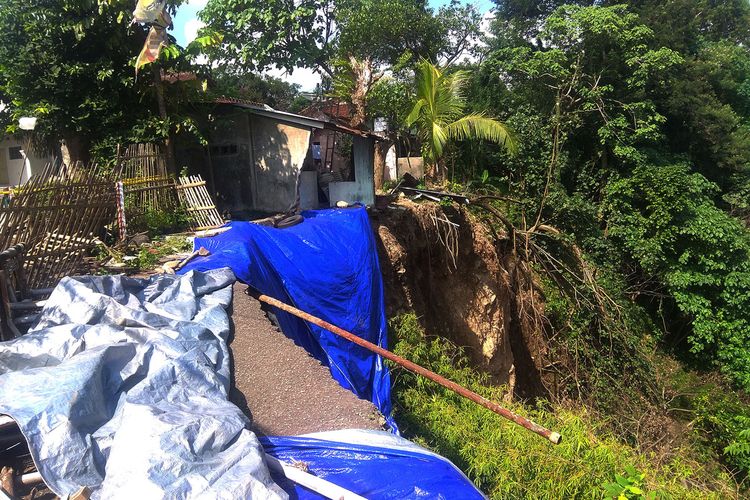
(58, 214)
(193, 196)
(147, 185)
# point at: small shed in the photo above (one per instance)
(259, 159)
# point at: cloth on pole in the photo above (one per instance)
(122, 386)
(326, 266)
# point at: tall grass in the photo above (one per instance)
(507, 461)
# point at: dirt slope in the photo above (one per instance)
(439, 262)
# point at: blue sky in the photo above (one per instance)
(186, 25)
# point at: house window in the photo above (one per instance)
(224, 150)
(14, 153)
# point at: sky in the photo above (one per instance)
(187, 24)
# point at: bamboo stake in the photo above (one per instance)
(554, 437)
(314, 483)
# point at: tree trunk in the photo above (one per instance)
(74, 149)
(363, 78)
(161, 102)
(381, 150)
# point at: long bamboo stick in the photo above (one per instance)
(314, 483)
(554, 437)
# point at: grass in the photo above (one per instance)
(507, 461)
(149, 254)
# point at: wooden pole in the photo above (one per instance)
(314, 483)
(554, 437)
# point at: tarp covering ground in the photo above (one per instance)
(122, 386)
(327, 266)
(376, 465)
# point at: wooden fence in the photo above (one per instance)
(58, 214)
(147, 185)
(193, 196)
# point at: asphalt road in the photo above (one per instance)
(280, 387)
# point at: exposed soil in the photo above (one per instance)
(284, 390)
(441, 263)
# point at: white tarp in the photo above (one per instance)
(122, 386)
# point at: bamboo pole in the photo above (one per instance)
(314, 483)
(554, 437)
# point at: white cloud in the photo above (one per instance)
(191, 29)
(197, 3)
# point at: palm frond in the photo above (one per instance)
(439, 137)
(415, 112)
(478, 126)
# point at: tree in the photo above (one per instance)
(439, 114)
(259, 34)
(351, 42)
(69, 64)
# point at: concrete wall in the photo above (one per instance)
(279, 151)
(232, 162)
(13, 171)
(363, 188)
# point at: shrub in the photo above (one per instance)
(667, 220)
(505, 460)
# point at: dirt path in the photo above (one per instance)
(280, 387)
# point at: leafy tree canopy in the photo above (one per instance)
(69, 64)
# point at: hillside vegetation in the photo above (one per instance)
(606, 148)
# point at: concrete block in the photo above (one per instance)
(413, 164)
(308, 190)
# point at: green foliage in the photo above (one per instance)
(255, 88)
(718, 417)
(150, 254)
(383, 30)
(629, 485)
(69, 64)
(507, 461)
(439, 114)
(739, 448)
(666, 218)
(157, 222)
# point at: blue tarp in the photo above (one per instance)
(328, 267)
(373, 464)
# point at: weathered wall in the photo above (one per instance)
(362, 188)
(279, 150)
(231, 160)
(255, 161)
(15, 171)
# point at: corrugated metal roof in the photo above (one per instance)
(305, 121)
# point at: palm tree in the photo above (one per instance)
(439, 115)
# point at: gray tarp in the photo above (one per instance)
(122, 386)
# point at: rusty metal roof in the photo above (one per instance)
(284, 116)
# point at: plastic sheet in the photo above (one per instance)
(327, 266)
(375, 465)
(122, 387)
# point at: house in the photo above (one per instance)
(16, 163)
(259, 159)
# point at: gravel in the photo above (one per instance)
(284, 390)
